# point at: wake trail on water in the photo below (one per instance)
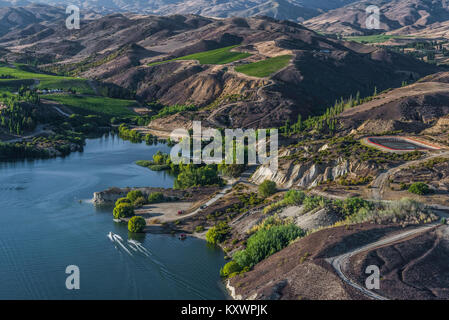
(118, 240)
(136, 246)
(167, 273)
(163, 269)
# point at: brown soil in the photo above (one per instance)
(412, 269)
(411, 109)
(300, 271)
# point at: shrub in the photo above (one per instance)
(156, 197)
(128, 134)
(291, 198)
(229, 269)
(161, 158)
(217, 233)
(266, 242)
(274, 207)
(140, 201)
(268, 223)
(352, 205)
(403, 186)
(232, 170)
(345, 181)
(144, 163)
(136, 224)
(294, 197)
(123, 210)
(313, 202)
(267, 188)
(191, 176)
(133, 195)
(199, 229)
(405, 210)
(122, 200)
(419, 188)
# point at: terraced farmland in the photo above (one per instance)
(102, 106)
(217, 56)
(265, 67)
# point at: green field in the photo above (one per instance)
(265, 67)
(217, 56)
(102, 106)
(378, 38)
(81, 86)
(21, 76)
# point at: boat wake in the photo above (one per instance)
(164, 271)
(131, 244)
(136, 246)
(116, 239)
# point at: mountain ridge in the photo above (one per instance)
(394, 14)
(296, 10)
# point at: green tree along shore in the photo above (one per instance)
(125, 207)
(136, 224)
(21, 110)
(19, 115)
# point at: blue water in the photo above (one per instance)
(45, 227)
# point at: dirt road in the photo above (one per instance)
(379, 184)
(38, 131)
(341, 262)
(244, 177)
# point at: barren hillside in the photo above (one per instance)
(395, 14)
(137, 52)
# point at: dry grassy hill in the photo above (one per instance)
(395, 14)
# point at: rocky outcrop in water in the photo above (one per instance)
(111, 195)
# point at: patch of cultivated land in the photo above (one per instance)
(380, 38)
(265, 67)
(20, 75)
(217, 56)
(81, 86)
(104, 106)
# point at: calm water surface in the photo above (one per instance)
(45, 227)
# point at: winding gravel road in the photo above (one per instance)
(341, 262)
(380, 182)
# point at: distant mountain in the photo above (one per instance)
(296, 10)
(14, 3)
(435, 30)
(22, 17)
(395, 14)
(126, 50)
(23, 21)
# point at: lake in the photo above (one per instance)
(48, 223)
